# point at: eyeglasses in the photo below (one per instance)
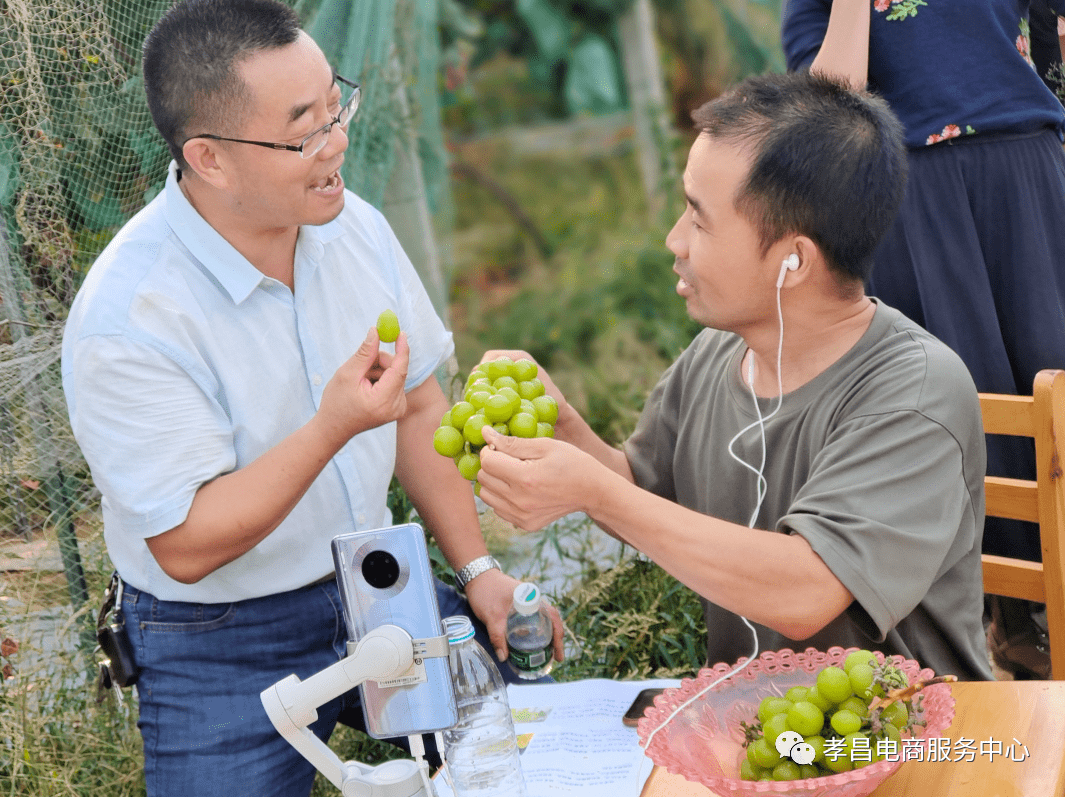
(312, 144)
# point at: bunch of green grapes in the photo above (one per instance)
(503, 394)
(835, 712)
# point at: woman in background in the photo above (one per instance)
(977, 252)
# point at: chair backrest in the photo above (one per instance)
(1040, 416)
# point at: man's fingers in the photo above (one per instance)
(557, 629)
(492, 492)
(401, 359)
(394, 375)
(365, 357)
(500, 458)
(498, 637)
(516, 447)
(514, 354)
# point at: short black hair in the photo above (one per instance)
(826, 162)
(191, 58)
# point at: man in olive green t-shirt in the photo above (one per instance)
(814, 461)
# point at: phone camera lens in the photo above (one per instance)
(380, 569)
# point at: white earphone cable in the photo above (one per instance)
(761, 490)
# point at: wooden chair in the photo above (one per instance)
(1040, 416)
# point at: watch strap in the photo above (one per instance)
(464, 575)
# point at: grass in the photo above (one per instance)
(54, 738)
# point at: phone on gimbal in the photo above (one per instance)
(385, 578)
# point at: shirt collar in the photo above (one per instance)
(229, 267)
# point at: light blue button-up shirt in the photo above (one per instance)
(183, 362)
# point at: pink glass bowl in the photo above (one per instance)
(704, 742)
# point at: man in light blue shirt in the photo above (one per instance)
(235, 405)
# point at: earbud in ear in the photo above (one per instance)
(791, 263)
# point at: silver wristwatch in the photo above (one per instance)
(464, 575)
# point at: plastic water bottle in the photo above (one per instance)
(529, 634)
(481, 750)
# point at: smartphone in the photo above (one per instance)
(384, 578)
(643, 701)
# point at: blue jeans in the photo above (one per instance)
(202, 668)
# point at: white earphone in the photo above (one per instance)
(791, 263)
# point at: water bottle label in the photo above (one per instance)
(530, 659)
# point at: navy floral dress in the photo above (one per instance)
(977, 252)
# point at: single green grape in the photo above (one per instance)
(771, 706)
(499, 367)
(531, 388)
(896, 714)
(808, 771)
(749, 771)
(805, 718)
(478, 384)
(861, 677)
(448, 441)
(523, 425)
(774, 726)
(472, 430)
(497, 410)
(502, 428)
(834, 685)
(545, 430)
(445, 420)
(859, 656)
(529, 407)
(813, 695)
(763, 754)
(546, 408)
(786, 770)
(750, 752)
(817, 742)
(461, 413)
(505, 381)
(478, 399)
(512, 396)
(797, 693)
(890, 730)
(388, 327)
(525, 369)
(845, 721)
(470, 466)
(856, 705)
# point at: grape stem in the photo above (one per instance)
(752, 731)
(909, 691)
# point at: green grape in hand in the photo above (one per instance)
(388, 327)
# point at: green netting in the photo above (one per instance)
(398, 72)
(79, 156)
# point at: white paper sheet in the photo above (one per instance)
(572, 740)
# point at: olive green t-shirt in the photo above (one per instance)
(878, 463)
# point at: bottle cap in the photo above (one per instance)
(526, 598)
